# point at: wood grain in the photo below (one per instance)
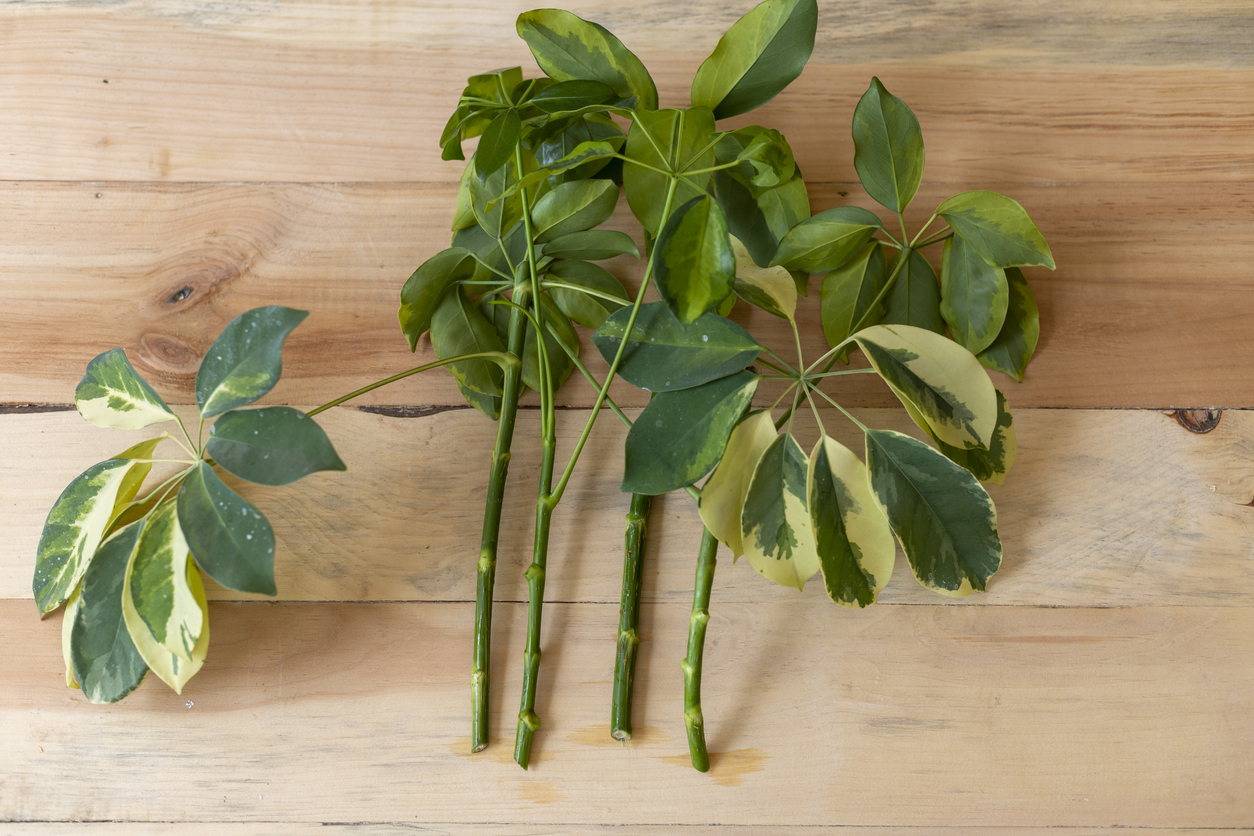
(1102, 508)
(453, 829)
(331, 91)
(1145, 302)
(999, 716)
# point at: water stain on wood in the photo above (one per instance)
(1199, 420)
(497, 751)
(727, 769)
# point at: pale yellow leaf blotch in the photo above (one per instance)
(776, 531)
(941, 380)
(172, 670)
(67, 626)
(770, 283)
(724, 494)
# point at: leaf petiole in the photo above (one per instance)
(504, 359)
(847, 413)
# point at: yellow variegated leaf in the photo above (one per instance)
(776, 531)
(851, 531)
(173, 670)
(770, 288)
(940, 379)
(67, 629)
(158, 584)
(112, 394)
(724, 494)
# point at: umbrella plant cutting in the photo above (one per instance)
(725, 218)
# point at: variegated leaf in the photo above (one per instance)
(245, 361)
(112, 394)
(775, 527)
(939, 378)
(67, 628)
(80, 518)
(770, 288)
(174, 669)
(158, 588)
(855, 544)
(723, 496)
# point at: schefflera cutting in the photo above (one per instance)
(793, 515)
(128, 568)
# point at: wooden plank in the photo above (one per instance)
(1142, 304)
(453, 829)
(956, 716)
(318, 92)
(1103, 508)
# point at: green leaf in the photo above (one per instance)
(765, 156)
(670, 140)
(938, 378)
(67, 630)
(915, 297)
(775, 526)
(79, 519)
(847, 294)
(851, 533)
(561, 142)
(1012, 349)
(272, 446)
(459, 328)
(159, 586)
(494, 211)
(888, 147)
(591, 245)
(106, 663)
(693, 263)
(588, 311)
(761, 222)
(495, 86)
(665, 355)
(974, 296)
(230, 539)
(680, 436)
(487, 251)
(723, 495)
(998, 228)
(245, 362)
(760, 55)
(569, 48)
(487, 404)
(826, 241)
(573, 207)
(566, 96)
(770, 288)
(498, 143)
(560, 364)
(944, 519)
(989, 465)
(112, 394)
(422, 291)
(464, 215)
(172, 668)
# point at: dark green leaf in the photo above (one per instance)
(497, 216)
(272, 446)
(989, 465)
(915, 297)
(591, 245)
(663, 354)
(495, 86)
(588, 311)
(573, 95)
(459, 328)
(694, 265)
(560, 364)
(573, 207)
(569, 48)
(487, 251)
(246, 361)
(888, 147)
(112, 394)
(1012, 350)
(106, 663)
(775, 527)
(591, 127)
(683, 139)
(847, 294)
(487, 404)
(974, 296)
(229, 538)
(422, 291)
(944, 519)
(680, 436)
(824, 242)
(852, 537)
(761, 222)
(498, 143)
(760, 55)
(998, 228)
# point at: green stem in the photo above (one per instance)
(505, 360)
(693, 717)
(848, 414)
(940, 236)
(629, 617)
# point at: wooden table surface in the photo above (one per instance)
(166, 165)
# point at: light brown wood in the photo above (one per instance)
(328, 92)
(1147, 299)
(1102, 508)
(447, 829)
(899, 715)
